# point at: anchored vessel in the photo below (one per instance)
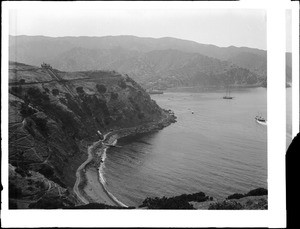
(259, 119)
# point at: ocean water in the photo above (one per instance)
(215, 147)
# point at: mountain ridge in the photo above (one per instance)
(133, 55)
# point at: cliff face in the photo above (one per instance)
(54, 116)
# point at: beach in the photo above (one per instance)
(89, 186)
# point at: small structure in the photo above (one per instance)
(47, 66)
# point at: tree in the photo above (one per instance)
(21, 81)
(114, 95)
(80, 90)
(101, 88)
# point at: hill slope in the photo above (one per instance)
(137, 56)
(55, 115)
(158, 63)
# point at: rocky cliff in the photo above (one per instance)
(54, 116)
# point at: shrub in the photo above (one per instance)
(16, 90)
(12, 205)
(37, 97)
(177, 202)
(225, 205)
(14, 191)
(122, 84)
(41, 125)
(114, 95)
(46, 171)
(21, 81)
(26, 110)
(55, 92)
(236, 196)
(101, 88)
(258, 192)
(47, 203)
(141, 115)
(80, 90)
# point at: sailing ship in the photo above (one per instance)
(227, 96)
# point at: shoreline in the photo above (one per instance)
(89, 187)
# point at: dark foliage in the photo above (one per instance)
(46, 170)
(258, 192)
(36, 96)
(177, 202)
(22, 170)
(55, 92)
(21, 81)
(114, 95)
(41, 125)
(12, 205)
(236, 196)
(141, 115)
(14, 192)
(26, 111)
(101, 88)
(254, 192)
(80, 90)
(16, 90)
(51, 202)
(226, 205)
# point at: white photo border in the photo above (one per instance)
(275, 216)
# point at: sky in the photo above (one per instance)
(288, 27)
(221, 27)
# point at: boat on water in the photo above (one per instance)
(227, 96)
(261, 120)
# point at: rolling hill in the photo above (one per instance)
(153, 62)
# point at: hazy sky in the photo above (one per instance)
(288, 28)
(219, 27)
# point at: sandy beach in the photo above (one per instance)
(88, 187)
(94, 189)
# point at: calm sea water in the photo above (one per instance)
(215, 147)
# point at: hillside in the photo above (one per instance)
(153, 62)
(54, 116)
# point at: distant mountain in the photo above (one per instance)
(156, 62)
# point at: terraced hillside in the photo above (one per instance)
(54, 116)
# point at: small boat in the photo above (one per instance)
(259, 119)
(227, 97)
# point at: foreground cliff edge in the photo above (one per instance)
(55, 117)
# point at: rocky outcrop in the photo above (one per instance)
(55, 115)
